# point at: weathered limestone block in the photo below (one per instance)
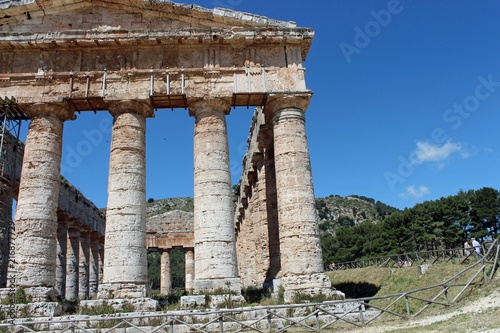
(193, 301)
(226, 301)
(41, 294)
(125, 260)
(215, 257)
(310, 284)
(35, 309)
(36, 218)
(140, 304)
(121, 290)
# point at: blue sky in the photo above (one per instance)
(406, 105)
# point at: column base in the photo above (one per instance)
(312, 285)
(121, 290)
(218, 286)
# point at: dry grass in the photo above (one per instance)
(475, 311)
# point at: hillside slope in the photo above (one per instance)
(335, 208)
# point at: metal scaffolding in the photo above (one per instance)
(11, 116)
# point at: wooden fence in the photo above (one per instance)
(410, 258)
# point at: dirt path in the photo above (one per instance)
(478, 306)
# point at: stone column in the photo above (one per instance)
(94, 264)
(83, 267)
(72, 262)
(165, 276)
(215, 256)
(125, 260)
(189, 269)
(5, 225)
(301, 257)
(62, 245)
(262, 243)
(247, 240)
(101, 259)
(271, 207)
(36, 213)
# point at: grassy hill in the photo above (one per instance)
(157, 207)
(475, 311)
(349, 209)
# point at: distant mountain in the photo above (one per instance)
(333, 211)
(157, 207)
(336, 211)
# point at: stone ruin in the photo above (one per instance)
(132, 59)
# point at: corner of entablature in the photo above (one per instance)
(131, 106)
(59, 111)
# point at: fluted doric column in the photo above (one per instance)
(101, 259)
(301, 257)
(36, 213)
(94, 264)
(73, 262)
(271, 206)
(125, 255)
(83, 265)
(215, 255)
(189, 269)
(62, 244)
(165, 274)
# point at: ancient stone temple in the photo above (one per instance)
(134, 58)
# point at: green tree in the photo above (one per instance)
(177, 267)
(154, 269)
(456, 219)
(485, 209)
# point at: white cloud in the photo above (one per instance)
(427, 152)
(416, 193)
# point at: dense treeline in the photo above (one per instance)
(441, 224)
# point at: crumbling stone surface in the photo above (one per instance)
(141, 304)
(17, 9)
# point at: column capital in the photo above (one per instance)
(278, 102)
(48, 109)
(131, 106)
(200, 106)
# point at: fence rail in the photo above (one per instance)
(410, 258)
(307, 317)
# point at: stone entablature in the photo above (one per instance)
(16, 11)
(169, 230)
(111, 52)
